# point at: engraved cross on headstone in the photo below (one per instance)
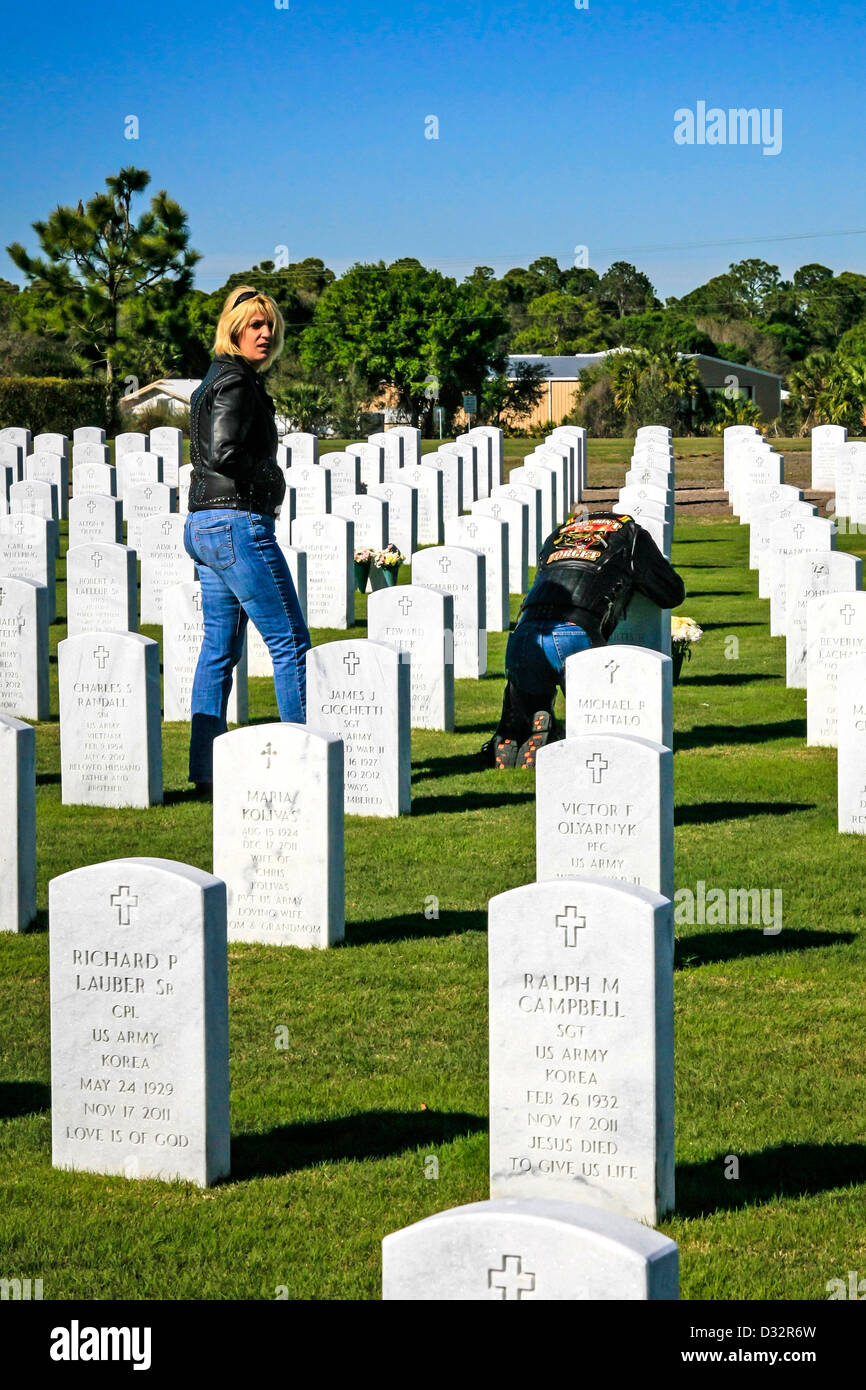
(351, 662)
(100, 656)
(165, 528)
(444, 563)
(472, 529)
(196, 598)
(268, 753)
(123, 901)
(613, 667)
(318, 528)
(597, 766)
(847, 613)
(799, 531)
(19, 527)
(570, 923)
(95, 559)
(405, 605)
(91, 506)
(148, 492)
(510, 1282)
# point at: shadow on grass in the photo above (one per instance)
(729, 677)
(47, 779)
(177, 796)
(460, 764)
(371, 1134)
(710, 812)
(718, 593)
(466, 801)
(788, 1170)
(740, 943)
(414, 926)
(726, 627)
(23, 1098)
(709, 735)
(702, 540)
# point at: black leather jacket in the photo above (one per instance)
(233, 441)
(588, 571)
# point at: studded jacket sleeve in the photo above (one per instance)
(655, 576)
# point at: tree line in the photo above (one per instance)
(112, 295)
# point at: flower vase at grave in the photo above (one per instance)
(362, 574)
(677, 658)
(384, 577)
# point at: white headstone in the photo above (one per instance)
(101, 589)
(167, 442)
(23, 649)
(565, 1253)
(531, 497)
(278, 834)
(51, 443)
(182, 633)
(184, 478)
(449, 465)
(411, 444)
(34, 498)
(515, 515)
(312, 487)
(391, 445)
(484, 464)
(427, 482)
(302, 449)
(826, 441)
(143, 501)
(835, 634)
(110, 733)
(490, 536)
(462, 573)
(87, 454)
(421, 622)
(494, 434)
(556, 460)
(139, 1021)
(17, 436)
(134, 468)
(581, 1029)
(604, 805)
(93, 477)
(644, 625)
(330, 549)
(850, 466)
(402, 503)
(808, 575)
(466, 455)
(11, 467)
(18, 818)
(345, 473)
(358, 691)
(28, 546)
(95, 517)
(372, 460)
(368, 515)
(88, 434)
(570, 446)
(626, 691)
(545, 481)
(164, 562)
(851, 739)
(791, 537)
(54, 470)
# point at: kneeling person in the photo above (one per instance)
(588, 572)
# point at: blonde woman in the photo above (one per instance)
(235, 496)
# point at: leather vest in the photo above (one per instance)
(233, 441)
(586, 574)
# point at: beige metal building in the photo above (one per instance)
(560, 388)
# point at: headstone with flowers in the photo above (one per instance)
(684, 634)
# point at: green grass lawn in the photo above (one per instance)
(386, 1062)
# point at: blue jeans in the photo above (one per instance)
(534, 664)
(243, 573)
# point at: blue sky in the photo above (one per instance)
(305, 127)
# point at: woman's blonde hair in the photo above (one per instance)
(233, 320)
